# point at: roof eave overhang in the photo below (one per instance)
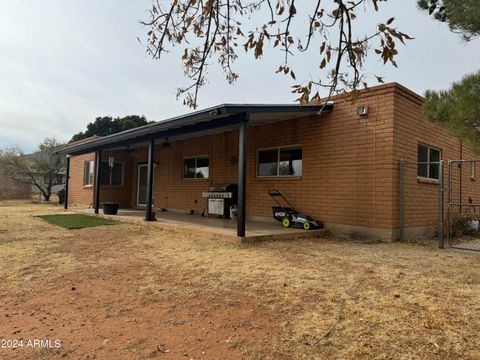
(210, 118)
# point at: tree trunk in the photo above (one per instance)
(48, 193)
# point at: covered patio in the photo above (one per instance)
(232, 118)
(222, 228)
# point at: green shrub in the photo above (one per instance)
(462, 225)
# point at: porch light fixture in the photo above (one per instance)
(111, 162)
(166, 144)
(362, 110)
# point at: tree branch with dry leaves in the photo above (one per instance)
(213, 30)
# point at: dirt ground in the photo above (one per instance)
(139, 291)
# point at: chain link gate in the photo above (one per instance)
(443, 204)
(463, 210)
(421, 201)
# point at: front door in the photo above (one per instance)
(142, 185)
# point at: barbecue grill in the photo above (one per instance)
(220, 198)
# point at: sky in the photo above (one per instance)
(64, 62)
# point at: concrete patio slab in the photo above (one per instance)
(216, 227)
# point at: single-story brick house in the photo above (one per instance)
(338, 162)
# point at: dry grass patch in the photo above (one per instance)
(381, 299)
(26, 248)
(305, 299)
(32, 251)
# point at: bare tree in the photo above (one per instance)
(40, 169)
(213, 29)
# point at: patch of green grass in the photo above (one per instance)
(76, 221)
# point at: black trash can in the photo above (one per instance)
(61, 196)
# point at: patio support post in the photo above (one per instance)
(151, 161)
(242, 174)
(98, 157)
(67, 176)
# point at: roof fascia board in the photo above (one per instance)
(186, 129)
(160, 129)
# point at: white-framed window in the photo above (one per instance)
(196, 167)
(428, 162)
(88, 173)
(111, 176)
(280, 161)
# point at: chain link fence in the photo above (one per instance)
(440, 201)
(463, 204)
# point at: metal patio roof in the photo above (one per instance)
(216, 117)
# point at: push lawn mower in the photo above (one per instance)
(288, 216)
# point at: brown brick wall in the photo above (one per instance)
(83, 195)
(170, 189)
(119, 193)
(422, 197)
(346, 163)
(347, 166)
(350, 164)
(77, 193)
